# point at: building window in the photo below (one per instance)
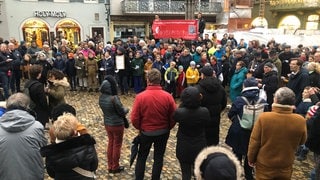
(96, 16)
(312, 23)
(30, 0)
(90, 1)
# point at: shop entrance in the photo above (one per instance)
(35, 30)
(69, 30)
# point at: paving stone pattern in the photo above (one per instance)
(89, 113)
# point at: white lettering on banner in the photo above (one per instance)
(57, 14)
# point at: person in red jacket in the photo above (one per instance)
(152, 115)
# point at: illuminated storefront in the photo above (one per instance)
(35, 30)
(69, 30)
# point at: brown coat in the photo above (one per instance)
(274, 140)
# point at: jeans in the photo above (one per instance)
(159, 144)
(72, 82)
(115, 137)
(4, 83)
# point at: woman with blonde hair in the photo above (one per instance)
(314, 74)
(73, 156)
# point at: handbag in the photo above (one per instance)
(124, 118)
(263, 94)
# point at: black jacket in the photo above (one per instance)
(313, 129)
(270, 81)
(61, 158)
(38, 96)
(297, 83)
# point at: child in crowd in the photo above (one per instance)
(181, 80)
(170, 77)
(192, 74)
(71, 72)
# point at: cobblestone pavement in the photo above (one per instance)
(89, 113)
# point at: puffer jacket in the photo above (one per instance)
(113, 112)
(236, 82)
(61, 158)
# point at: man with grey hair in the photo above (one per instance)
(21, 138)
(275, 137)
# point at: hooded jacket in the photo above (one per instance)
(57, 92)
(21, 137)
(113, 112)
(213, 97)
(236, 82)
(217, 163)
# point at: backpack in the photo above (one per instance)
(251, 112)
(27, 92)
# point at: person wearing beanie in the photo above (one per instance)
(237, 137)
(192, 120)
(59, 63)
(71, 72)
(46, 67)
(272, 148)
(218, 163)
(181, 81)
(214, 98)
(81, 71)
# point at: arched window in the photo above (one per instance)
(312, 22)
(35, 30)
(290, 23)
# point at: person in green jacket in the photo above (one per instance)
(170, 76)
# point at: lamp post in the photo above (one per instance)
(107, 7)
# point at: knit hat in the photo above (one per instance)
(312, 110)
(269, 64)
(207, 71)
(192, 63)
(250, 82)
(217, 162)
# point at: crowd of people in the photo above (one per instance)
(202, 73)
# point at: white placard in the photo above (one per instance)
(120, 62)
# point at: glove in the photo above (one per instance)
(168, 81)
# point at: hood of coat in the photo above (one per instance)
(16, 120)
(62, 82)
(105, 87)
(217, 162)
(250, 92)
(210, 84)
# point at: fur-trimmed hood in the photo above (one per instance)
(214, 156)
(62, 82)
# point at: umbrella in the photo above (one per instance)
(134, 149)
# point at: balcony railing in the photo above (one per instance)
(167, 7)
(294, 4)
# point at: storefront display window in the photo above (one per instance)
(35, 30)
(69, 30)
(125, 31)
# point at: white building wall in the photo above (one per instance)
(18, 12)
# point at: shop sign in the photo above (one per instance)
(55, 14)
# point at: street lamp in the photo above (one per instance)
(107, 6)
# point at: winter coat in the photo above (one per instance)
(303, 107)
(60, 64)
(314, 78)
(191, 132)
(57, 92)
(270, 84)
(80, 65)
(313, 141)
(38, 96)
(273, 147)
(297, 83)
(127, 66)
(236, 83)
(21, 137)
(190, 73)
(92, 67)
(113, 112)
(137, 67)
(171, 74)
(70, 68)
(184, 61)
(61, 158)
(158, 65)
(4, 66)
(237, 137)
(285, 60)
(107, 65)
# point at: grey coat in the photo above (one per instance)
(21, 137)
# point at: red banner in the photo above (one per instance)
(185, 29)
